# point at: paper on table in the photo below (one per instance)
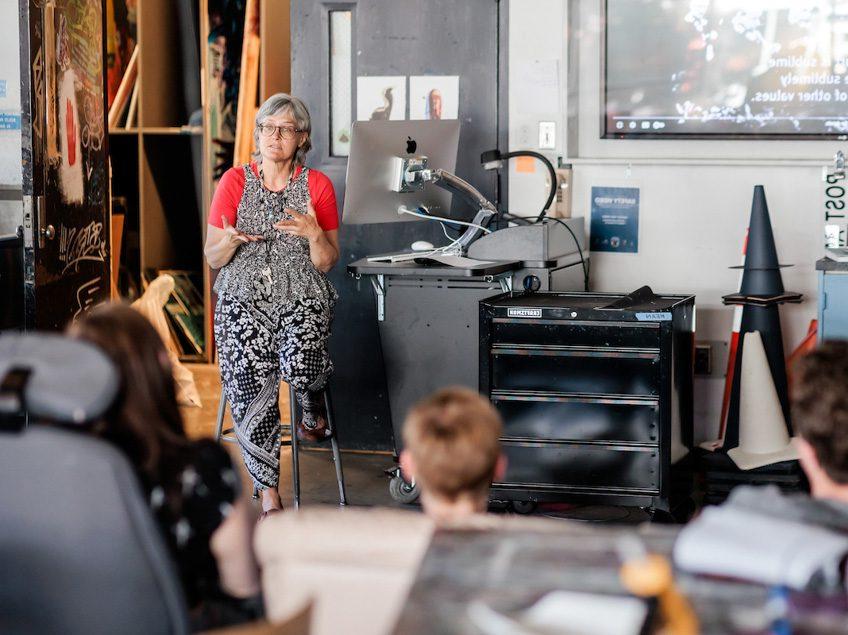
(458, 261)
(565, 613)
(733, 542)
(450, 260)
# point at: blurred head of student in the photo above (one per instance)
(145, 421)
(452, 450)
(819, 399)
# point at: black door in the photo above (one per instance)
(65, 176)
(398, 38)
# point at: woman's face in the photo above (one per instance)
(282, 142)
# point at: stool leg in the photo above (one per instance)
(294, 448)
(337, 457)
(222, 407)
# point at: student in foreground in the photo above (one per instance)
(452, 450)
(192, 488)
(819, 399)
(819, 403)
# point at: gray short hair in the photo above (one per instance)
(281, 103)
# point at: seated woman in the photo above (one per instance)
(192, 487)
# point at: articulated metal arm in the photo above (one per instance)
(413, 173)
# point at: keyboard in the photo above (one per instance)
(405, 256)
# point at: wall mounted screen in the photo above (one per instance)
(725, 68)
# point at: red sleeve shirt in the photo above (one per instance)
(227, 197)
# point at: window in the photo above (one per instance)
(340, 82)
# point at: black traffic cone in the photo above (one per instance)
(761, 294)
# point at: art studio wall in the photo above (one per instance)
(695, 195)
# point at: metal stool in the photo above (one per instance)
(227, 435)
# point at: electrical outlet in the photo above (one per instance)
(547, 135)
(711, 358)
(703, 359)
(524, 136)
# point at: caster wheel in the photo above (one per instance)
(403, 492)
(660, 517)
(524, 507)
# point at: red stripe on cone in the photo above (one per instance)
(731, 358)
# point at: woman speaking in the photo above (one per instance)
(273, 233)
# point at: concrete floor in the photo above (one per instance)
(366, 482)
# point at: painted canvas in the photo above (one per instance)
(223, 67)
(70, 172)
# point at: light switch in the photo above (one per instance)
(547, 135)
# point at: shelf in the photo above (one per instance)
(191, 131)
(176, 130)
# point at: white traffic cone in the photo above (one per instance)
(763, 439)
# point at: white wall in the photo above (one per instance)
(695, 195)
(10, 102)
(537, 39)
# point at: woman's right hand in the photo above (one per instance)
(235, 236)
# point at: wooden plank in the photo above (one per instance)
(159, 62)
(133, 109)
(207, 176)
(50, 71)
(248, 84)
(275, 53)
(124, 90)
(115, 242)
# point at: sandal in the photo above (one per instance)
(313, 425)
(317, 433)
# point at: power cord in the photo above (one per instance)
(404, 210)
(538, 156)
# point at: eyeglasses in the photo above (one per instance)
(285, 132)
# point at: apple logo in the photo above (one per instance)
(411, 145)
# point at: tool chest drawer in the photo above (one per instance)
(576, 332)
(529, 416)
(576, 369)
(582, 466)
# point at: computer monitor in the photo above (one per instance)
(373, 147)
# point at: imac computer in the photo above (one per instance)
(374, 149)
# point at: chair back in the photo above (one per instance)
(80, 551)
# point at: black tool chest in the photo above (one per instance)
(596, 401)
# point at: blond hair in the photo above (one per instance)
(453, 437)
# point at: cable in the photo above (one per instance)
(583, 263)
(445, 226)
(445, 232)
(550, 166)
(403, 210)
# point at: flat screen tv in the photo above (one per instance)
(725, 69)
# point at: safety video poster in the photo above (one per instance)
(615, 219)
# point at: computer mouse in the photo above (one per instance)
(421, 245)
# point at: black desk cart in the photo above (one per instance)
(596, 401)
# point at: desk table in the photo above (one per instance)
(512, 568)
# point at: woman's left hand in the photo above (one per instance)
(305, 225)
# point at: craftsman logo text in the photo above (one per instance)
(525, 313)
